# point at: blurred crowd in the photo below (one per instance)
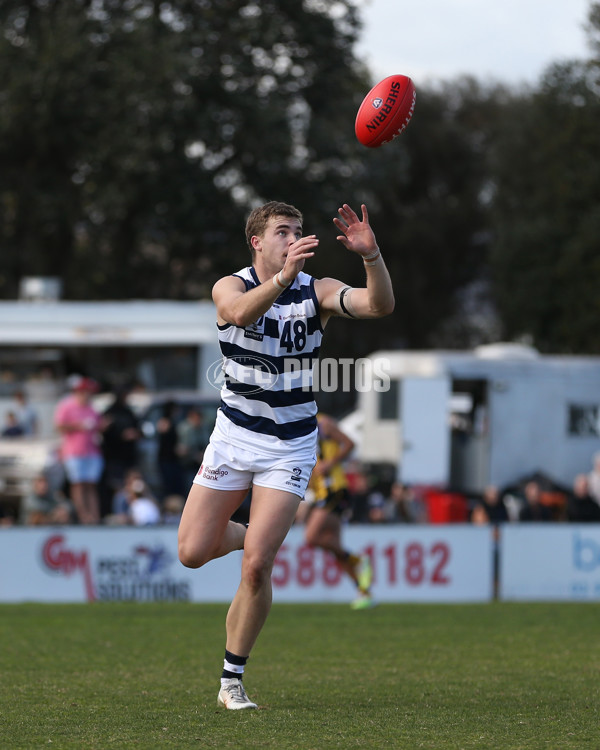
(103, 480)
(377, 498)
(21, 420)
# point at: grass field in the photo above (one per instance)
(399, 676)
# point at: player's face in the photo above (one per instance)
(281, 232)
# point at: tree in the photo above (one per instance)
(545, 257)
(428, 199)
(135, 136)
(428, 203)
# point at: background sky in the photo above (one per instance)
(510, 41)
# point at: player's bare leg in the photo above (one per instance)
(323, 529)
(272, 513)
(205, 531)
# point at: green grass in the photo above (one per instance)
(399, 676)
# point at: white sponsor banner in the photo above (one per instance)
(410, 563)
(437, 563)
(70, 564)
(550, 562)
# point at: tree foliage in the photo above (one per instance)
(547, 213)
(438, 236)
(135, 136)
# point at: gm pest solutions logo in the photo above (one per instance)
(140, 575)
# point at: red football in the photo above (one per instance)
(385, 111)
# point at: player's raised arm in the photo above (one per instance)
(376, 299)
(237, 306)
(276, 271)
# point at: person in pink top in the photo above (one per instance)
(80, 426)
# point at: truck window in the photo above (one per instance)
(387, 402)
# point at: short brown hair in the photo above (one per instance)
(256, 224)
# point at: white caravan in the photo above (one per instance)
(465, 419)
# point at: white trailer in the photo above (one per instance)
(162, 344)
(465, 419)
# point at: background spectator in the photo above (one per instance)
(11, 428)
(121, 499)
(143, 510)
(581, 506)
(26, 414)
(172, 509)
(7, 517)
(594, 479)
(533, 509)
(493, 503)
(359, 488)
(171, 474)
(121, 433)
(405, 505)
(79, 425)
(43, 506)
(378, 510)
(479, 515)
(192, 439)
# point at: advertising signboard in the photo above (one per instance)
(550, 562)
(410, 563)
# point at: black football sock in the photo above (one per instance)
(233, 666)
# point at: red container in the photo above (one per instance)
(446, 507)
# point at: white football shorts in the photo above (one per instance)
(226, 466)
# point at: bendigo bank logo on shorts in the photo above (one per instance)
(255, 373)
(211, 473)
(295, 479)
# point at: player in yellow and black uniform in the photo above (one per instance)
(329, 497)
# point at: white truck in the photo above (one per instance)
(466, 419)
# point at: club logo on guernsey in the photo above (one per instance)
(255, 330)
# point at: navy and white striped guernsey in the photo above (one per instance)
(268, 365)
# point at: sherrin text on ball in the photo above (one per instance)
(385, 111)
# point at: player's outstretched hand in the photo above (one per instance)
(357, 235)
